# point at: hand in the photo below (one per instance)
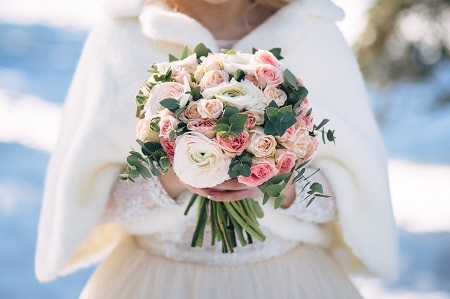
(230, 190)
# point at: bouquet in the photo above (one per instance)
(216, 116)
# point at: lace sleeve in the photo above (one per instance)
(137, 201)
(321, 210)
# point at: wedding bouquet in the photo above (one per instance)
(216, 116)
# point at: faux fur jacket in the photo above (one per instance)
(98, 130)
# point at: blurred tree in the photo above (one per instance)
(404, 38)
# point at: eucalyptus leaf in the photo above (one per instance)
(290, 78)
(185, 53)
(316, 187)
(279, 201)
(170, 104)
(322, 123)
(273, 190)
(172, 58)
(201, 50)
(277, 53)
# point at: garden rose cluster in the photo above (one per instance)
(207, 110)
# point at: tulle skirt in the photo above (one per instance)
(131, 272)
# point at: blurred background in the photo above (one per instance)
(403, 47)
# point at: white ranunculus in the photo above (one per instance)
(233, 62)
(242, 95)
(160, 92)
(199, 161)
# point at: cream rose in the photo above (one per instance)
(261, 145)
(212, 62)
(210, 108)
(213, 79)
(242, 95)
(199, 162)
(272, 93)
(300, 144)
(144, 133)
(189, 63)
(190, 113)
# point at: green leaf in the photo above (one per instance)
(279, 201)
(269, 129)
(322, 123)
(301, 92)
(310, 201)
(273, 190)
(265, 198)
(280, 127)
(172, 135)
(133, 160)
(229, 111)
(245, 170)
(172, 58)
(279, 178)
(277, 53)
(254, 50)
(201, 50)
(238, 75)
(180, 111)
(271, 112)
(196, 94)
(221, 127)
(185, 53)
(238, 120)
(144, 172)
(170, 104)
(330, 135)
(290, 78)
(316, 187)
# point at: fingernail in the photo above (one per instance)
(210, 197)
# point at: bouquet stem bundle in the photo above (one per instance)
(229, 221)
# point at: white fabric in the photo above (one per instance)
(98, 131)
(154, 276)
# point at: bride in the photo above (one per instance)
(140, 234)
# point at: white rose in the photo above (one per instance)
(199, 161)
(242, 95)
(189, 63)
(273, 93)
(233, 62)
(160, 92)
(261, 145)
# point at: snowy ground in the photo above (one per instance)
(36, 64)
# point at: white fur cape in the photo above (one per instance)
(99, 128)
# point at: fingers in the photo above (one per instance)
(223, 196)
(231, 184)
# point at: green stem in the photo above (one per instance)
(255, 232)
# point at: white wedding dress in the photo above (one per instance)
(164, 265)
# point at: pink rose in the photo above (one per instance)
(252, 79)
(312, 147)
(253, 119)
(285, 160)
(261, 171)
(288, 135)
(190, 113)
(203, 126)
(303, 120)
(168, 147)
(234, 146)
(272, 93)
(300, 81)
(213, 79)
(210, 108)
(265, 57)
(166, 125)
(267, 74)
